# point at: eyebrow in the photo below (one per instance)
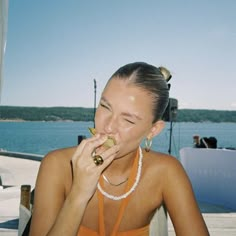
(128, 114)
(105, 100)
(131, 115)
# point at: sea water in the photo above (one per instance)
(42, 137)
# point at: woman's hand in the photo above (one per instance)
(85, 172)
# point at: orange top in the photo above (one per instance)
(144, 231)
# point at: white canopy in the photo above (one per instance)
(3, 37)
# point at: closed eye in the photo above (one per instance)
(129, 121)
(104, 106)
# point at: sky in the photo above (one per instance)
(55, 49)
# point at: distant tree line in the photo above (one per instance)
(87, 114)
(46, 113)
(191, 115)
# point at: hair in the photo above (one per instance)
(151, 79)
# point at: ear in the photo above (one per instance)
(156, 129)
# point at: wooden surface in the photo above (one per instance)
(218, 224)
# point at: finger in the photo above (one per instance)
(105, 153)
(108, 156)
(106, 163)
(84, 141)
(87, 146)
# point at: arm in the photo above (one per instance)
(181, 203)
(56, 213)
(51, 209)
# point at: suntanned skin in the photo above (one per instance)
(65, 193)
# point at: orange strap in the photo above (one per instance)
(124, 202)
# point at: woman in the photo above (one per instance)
(93, 189)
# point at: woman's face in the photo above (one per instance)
(124, 113)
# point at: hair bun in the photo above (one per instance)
(166, 73)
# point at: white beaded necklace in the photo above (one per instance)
(116, 198)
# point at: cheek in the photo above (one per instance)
(132, 135)
(102, 117)
(98, 117)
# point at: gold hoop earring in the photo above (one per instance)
(148, 144)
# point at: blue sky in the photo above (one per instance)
(56, 48)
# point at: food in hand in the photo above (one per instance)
(108, 143)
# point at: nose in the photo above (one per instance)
(110, 126)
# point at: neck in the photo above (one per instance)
(121, 165)
(134, 177)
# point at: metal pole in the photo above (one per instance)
(170, 141)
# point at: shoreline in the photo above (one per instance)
(12, 120)
(21, 120)
(66, 120)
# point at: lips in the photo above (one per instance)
(108, 143)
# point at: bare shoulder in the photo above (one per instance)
(58, 157)
(56, 167)
(166, 170)
(163, 162)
